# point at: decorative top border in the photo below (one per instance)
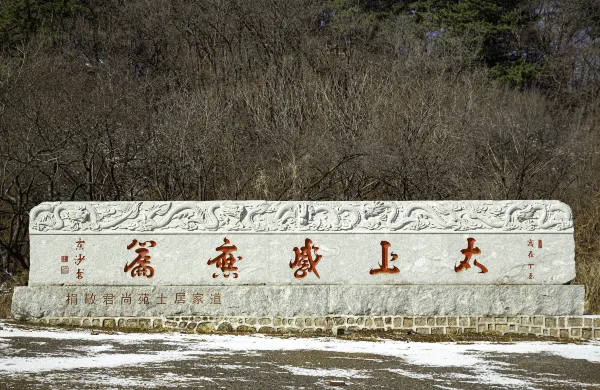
(263, 216)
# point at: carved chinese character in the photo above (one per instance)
(64, 269)
(384, 267)
(142, 261)
(179, 298)
(109, 299)
(80, 244)
(79, 259)
(144, 299)
(304, 260)
(197, 299)
(90, 299)
(531, 273)
(215, 298)
(71, 299)
(79, 273)
(530, 255)
(226, 260)
(126, 299)
(468, 252)
(64, 259)
(161, 299)
(530, 243)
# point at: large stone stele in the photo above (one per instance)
(524, 242)
(128, 259)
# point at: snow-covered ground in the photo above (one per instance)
(55, 356)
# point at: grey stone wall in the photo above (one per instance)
(572, 327)
(295, 301)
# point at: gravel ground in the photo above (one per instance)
(55, 358)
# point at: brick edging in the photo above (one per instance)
(578, 327)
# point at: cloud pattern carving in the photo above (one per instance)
(262, 216)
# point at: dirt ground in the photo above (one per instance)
(61, 358)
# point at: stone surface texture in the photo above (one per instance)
(294, 301)
(300, 262)
(519, 242)
(457, 300)
(263, 216)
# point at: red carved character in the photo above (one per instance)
(384, 267)
(304, 260)
(226, 260)
(468, 252)
(142, 261)
(79, 259)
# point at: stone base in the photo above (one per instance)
(574, 327)
(296, 301)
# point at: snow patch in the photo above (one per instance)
(321, 372)
(105, 360)
(103, 355)
(430, 354)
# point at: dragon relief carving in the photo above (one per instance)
(264, 216)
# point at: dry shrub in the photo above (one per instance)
(169, 100)
(587, 249)
(5, 302)
(6, 292)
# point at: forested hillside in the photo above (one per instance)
(300, 99)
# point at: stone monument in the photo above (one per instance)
(287, 260)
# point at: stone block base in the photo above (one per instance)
(569, 327)
(296, 301)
